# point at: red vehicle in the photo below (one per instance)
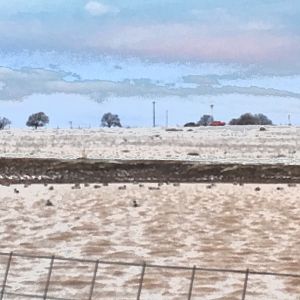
(217, 123)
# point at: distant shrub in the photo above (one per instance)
(39, 119)
(193, 154)
(190, 124)
(250, 119)
(110, 120)
(205, 120)
(4, 122)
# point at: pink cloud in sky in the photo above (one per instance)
(186, 42)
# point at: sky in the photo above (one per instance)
(78, 59)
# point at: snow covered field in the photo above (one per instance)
(223, 226)
(278, 144)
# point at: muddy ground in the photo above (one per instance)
(22, 170)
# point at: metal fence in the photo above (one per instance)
(144, 266)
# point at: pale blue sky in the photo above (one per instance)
(81, 58)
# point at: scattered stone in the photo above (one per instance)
(193, 154)
(76, 186)
(16, 191)
(45, 184)
(134, 203)
(262, 129)
(279, 188)
(96, 186)
(51, 188)
(292, 185)
(141, 185)
(176, 184)
(257, 189)
(105, 184)
(153, 188)
(86, 185)
(49, 203)
(123, 187)
(173, 129)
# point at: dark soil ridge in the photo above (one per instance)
(29, 170)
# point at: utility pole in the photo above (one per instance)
(167, 118)
(212, 110)
(153, 113)
(289, 120)
(71, 124)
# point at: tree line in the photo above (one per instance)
(244, 119)
(40, 119)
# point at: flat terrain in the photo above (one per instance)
(210, 225)
(229, 144)
(221, 226)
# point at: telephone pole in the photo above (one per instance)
(167, 118)
(153, 113)
(212, 110)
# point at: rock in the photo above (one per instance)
(153, 188)
(49, 203)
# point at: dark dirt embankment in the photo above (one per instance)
(22, 170)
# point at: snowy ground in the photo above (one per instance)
(240, 144)
(226, 226)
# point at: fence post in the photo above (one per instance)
(141, 281)
(48, 277)
(94, 280)
(6, 275)
(192, 283)
(245, 284)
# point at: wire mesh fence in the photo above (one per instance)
(59, 278)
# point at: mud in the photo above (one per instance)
(27, 170)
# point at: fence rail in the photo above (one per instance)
(142, 265)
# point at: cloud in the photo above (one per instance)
(96, 8)
(18, 84)
(197, 42)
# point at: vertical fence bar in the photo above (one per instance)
(6, 275)
(192, 283)
(245, 285)
(94, 280)
(141, 281)
(48, 277)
